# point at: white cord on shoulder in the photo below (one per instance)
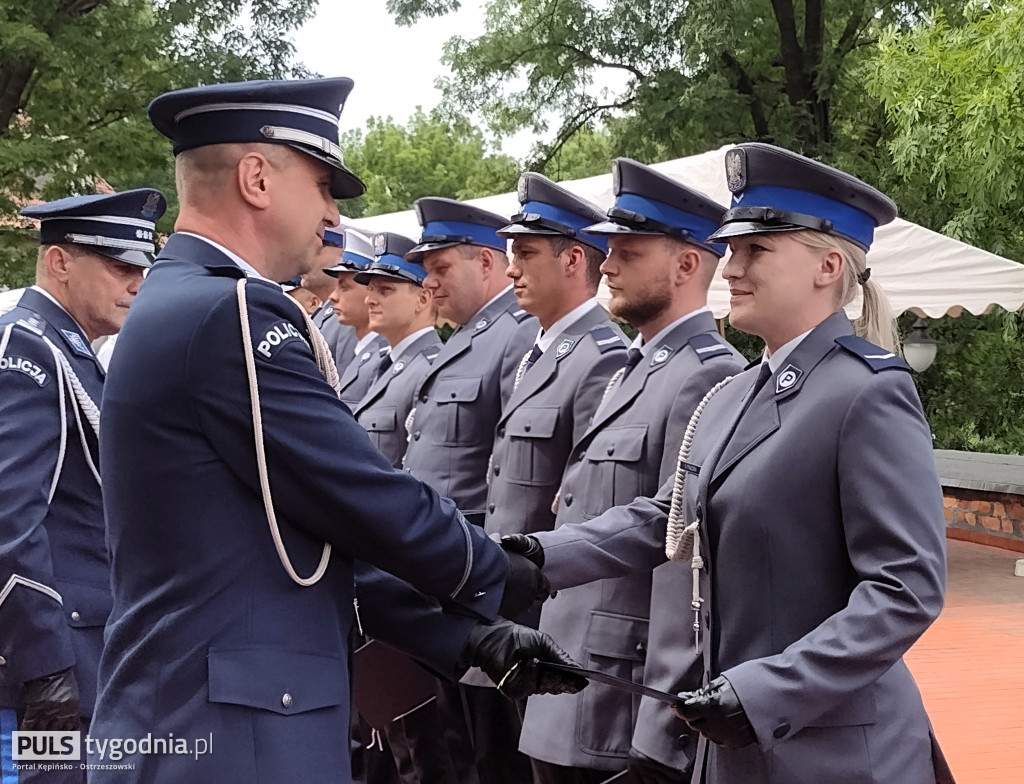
(682, 540)
(257, 424)
(85, 405)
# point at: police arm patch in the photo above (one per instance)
(279, 334)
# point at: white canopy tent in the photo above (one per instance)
(920, 270)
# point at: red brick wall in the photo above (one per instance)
(989, 518)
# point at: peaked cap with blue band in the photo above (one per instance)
(777, 190)
(447, 222)
(390, 251)
(119, 226)
(550, 210)
(648, 202)
(358, 254)
(302, 113)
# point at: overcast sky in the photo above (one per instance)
(394, 67)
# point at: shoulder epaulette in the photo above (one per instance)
(518, 313)
(707, 346)
(33, 324)
(430, 352)
(606, 339)
(873, 356)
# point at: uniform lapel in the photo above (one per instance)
(761, 418)
(380, 385)
(630, 387)
(546, 368)
(69, 339)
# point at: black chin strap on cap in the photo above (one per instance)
(771, 217)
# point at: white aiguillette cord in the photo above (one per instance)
(682, 540)
(325, 362)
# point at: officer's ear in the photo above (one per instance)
(686, 262)
(57, 261)
(253, 173)
(831, 268)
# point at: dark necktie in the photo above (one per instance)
(762, 378)
(534, 356)
(633, 357)
(382, 368)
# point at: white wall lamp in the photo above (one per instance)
(919, 348)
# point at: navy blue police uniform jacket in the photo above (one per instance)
(54, 571)
(209, 636)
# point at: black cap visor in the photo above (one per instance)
(138, 258)
(344, 184)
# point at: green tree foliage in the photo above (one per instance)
(954, 94)
(690, 75)
(428, 156)
(76, 76)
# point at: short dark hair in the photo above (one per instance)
(595, 258)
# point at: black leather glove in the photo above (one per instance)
(524, 544)
(51, 703)
(644, 770)
(525, 587)
(512, 655)
(715, 712)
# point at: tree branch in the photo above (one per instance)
(569, 129)
(745, 86)
(604, 63)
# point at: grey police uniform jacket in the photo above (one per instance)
(548, 412)
(385, 407)
(629, 450)
(54, 572)
(209, 634)
(460, 400)
(340, 338)
(361, 373)
(824, 548)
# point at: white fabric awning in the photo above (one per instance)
(920, 270)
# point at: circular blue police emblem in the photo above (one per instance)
(788, 377)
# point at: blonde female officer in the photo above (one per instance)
(820, 551)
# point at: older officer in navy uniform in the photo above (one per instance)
(658, 273)
(240, 489)
(54, 571)
(350, 310)
(452, 428)
(403, 313)
(341, 338)
(807, 506)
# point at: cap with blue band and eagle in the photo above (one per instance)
(390, 251)
(776, 190)
(357, 256)
(548, 209)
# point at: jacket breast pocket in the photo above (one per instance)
(279, 681)
(617, 471)
(530, 454)
(379, 420)
(615, 644)
(85, 605)
(456, 398)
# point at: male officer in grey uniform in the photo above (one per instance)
(403, 313)
(239, 490)
(54, 570)
(341, 338)
(349, 303)
(560, 380)
(457, 407)
(658, 272)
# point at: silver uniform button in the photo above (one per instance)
(3, 661)
(286, 700)
(75, 616)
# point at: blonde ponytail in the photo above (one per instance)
(875, 323)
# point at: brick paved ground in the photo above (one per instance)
(970, 667)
